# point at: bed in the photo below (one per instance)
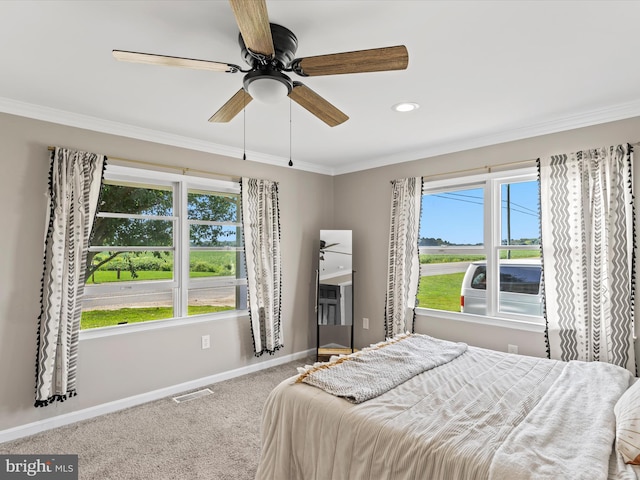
(450, 411)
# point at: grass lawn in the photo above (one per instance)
(107, 318)
(441, 291)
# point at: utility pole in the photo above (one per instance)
(508, 218)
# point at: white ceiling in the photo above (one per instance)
(483, 72)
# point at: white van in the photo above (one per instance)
(519, 288)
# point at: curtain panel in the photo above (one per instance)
(74, 188)
(261, 227)
(588, 255)
(403, 273)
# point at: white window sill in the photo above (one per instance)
(515, 324)
(159, 324)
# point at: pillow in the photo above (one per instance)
(627, 411)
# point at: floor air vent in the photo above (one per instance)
(192, 396)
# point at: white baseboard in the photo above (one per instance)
(84, 414)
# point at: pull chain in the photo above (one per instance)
(290, 161)
(244, 127)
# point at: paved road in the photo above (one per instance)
(220, 295)
(429, 269)
(225, 295)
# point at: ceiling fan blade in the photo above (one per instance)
(253, 21)
(153, 59)
(314, 103)
(233, 107)
(374, 60)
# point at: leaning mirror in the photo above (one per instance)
(334, 304)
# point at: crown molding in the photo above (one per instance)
(588, 118)
(569, 122)
(96, 124)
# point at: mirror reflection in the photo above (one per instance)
(335, 285)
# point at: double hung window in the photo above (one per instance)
(480, 246)
(163, 246)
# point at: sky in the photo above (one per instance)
(457, 216)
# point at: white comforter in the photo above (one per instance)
(483, 415)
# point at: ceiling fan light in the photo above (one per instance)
(267, 85)
(268, 90)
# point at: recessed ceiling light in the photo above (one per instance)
(405, 107)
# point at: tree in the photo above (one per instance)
(220, 208)
(127, 232)
(432, 242)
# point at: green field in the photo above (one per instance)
(105, 276)
(149, 267)
(437, 258)
(429, 259)
(108, 318)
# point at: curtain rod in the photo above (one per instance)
(482, 167)
(184, 170)
(500, 165)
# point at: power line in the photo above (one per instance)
(458, 199)
(451, 196)
(481, 198)
(522, 206)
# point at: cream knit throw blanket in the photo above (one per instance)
(377, 369)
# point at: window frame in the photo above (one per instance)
(491, 183)
(181, 282)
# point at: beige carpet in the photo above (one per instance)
(213, 437)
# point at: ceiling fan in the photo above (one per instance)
(324, 249)
(324, 245)
(269, 50)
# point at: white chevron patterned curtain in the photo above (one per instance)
(403, 273)
(261, 226)
(588, 251)
(74, 188)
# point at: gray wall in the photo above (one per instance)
(364, 199)
(121, 366)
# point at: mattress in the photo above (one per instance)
(483, 415)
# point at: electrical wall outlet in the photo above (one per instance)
(365, 323)
(206, 341)
(512, 348)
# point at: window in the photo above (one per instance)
(163, 246)
(480, 246)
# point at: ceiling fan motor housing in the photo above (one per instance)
(285, 45)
